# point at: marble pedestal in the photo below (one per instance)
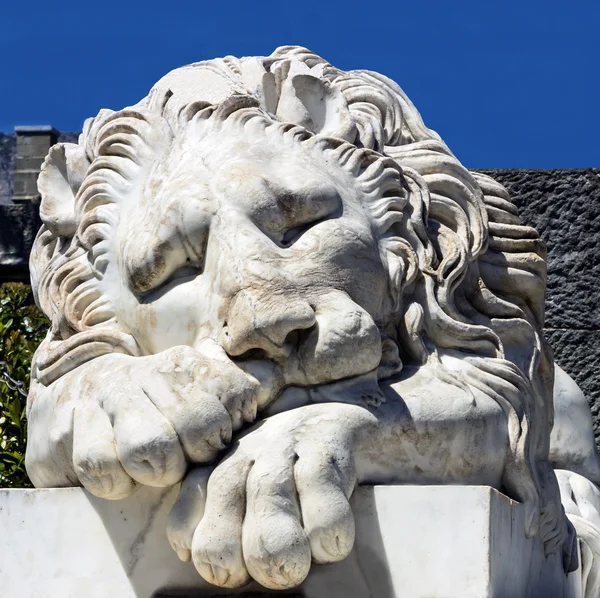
(412, 542)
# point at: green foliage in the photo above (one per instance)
(22, 328)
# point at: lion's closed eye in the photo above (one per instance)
(293, 215)
(183, 274)
(154, 268)
(177, 277)
(293, 234)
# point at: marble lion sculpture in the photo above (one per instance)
(269, 281)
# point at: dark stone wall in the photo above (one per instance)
(33, 145)
(19, 224)
(8, 161)
(564, 206)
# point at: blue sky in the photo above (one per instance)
(507, 83)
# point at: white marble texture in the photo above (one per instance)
(271, 281)
(412, 541)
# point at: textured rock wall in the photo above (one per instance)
(564, 206)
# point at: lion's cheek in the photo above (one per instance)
(178, 313)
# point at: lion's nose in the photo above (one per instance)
(265, 323)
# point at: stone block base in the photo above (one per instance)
(411, 542)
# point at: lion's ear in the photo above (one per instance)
(61, 176)
(316, 105)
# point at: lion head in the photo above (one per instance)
(300, 214)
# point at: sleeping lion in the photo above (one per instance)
(269, 280)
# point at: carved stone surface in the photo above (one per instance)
(412, 541)
(270, 280)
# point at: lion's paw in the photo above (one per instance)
(142, 419)
(279, 502)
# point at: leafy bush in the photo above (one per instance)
(22, 328)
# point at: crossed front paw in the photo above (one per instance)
(119, 421)
(278, 502)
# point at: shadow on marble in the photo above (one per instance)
(136, 527)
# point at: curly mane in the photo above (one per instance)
(467, 278)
